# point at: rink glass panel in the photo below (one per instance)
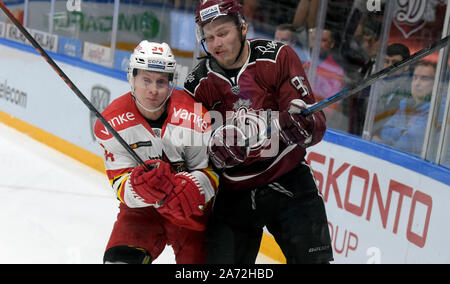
(360, 35)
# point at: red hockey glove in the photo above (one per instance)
(293, 127)
(186, 201)
(226, 148)
(155, 185)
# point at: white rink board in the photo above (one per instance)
(414, 227)
(42, 99)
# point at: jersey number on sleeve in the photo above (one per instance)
(298, 83)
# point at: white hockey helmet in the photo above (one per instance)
(152, 56)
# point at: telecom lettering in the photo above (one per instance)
(13, 95)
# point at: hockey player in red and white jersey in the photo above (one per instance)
(253, 79)
(167, 129)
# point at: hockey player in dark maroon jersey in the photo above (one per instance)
(260, 86)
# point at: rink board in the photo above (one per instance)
(31, 91)
(382, 206)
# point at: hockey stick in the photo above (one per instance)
(377, 76)
(72, 86)
(363, 84)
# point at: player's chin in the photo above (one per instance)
(152, 102)
(225, 62)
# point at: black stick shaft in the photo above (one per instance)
(369, 81)
(71, 85)
(378, 76)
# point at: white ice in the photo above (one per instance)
(53, 208)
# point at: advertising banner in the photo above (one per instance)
(47, 41)
(32, 92)
(137, 20)
(417, 23)
(121, 60)
(380, 212)
(97, 54)
(2, 29)
(71, 47)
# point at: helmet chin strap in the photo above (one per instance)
(163, 104)
(242, 44)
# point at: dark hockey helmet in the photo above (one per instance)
(209, 10)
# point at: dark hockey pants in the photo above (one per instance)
(291, 209)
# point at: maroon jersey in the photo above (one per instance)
(270, 79)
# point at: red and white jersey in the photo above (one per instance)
(271, 78)
(181, 140)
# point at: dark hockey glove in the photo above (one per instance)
(293, 127)
(226, 147)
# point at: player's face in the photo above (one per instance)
(223, 39)
(151, 88)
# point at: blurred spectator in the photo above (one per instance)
(405, 130)
(184, 4)
(360, 39)
(286, 34)
(445, 161)
(446, 157)
(337, 16)
(393, 88)
(305, 19)
(359, 54)
(329, 77)
(251, 13)
(305, 15)
(250, 9)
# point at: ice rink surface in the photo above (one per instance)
(53, 208)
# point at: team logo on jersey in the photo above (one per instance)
(157, 132)
(190, 78)
(236, 89)
(253, 124)
(269, 48)
(100, 97)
